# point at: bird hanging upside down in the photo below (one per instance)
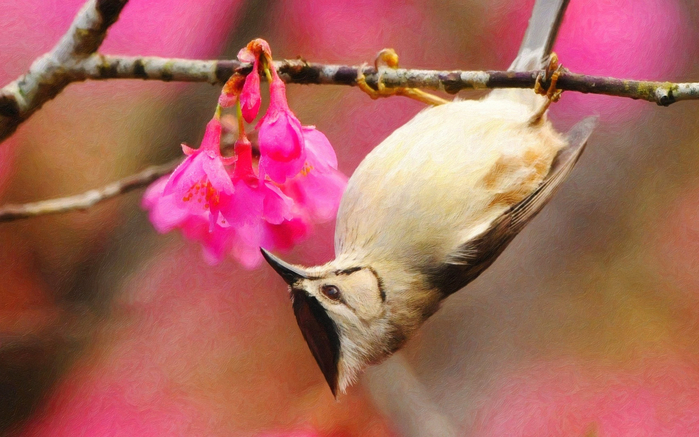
(429, 209)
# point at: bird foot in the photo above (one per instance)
(551, 74)
(388, 58)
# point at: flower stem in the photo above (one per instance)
(268, 75)
(241, 125)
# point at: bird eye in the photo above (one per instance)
(331, 292)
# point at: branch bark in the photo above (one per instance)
(100, 67)
(85, 200)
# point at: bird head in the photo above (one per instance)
(346, 315)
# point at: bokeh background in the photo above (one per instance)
(587, 324)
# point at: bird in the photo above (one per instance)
(428, 210)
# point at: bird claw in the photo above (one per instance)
(550, 74)
(388, 58)
(361, 83)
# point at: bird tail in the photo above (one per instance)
(541, 33)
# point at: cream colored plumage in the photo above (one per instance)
(427, 211)
(444, 186)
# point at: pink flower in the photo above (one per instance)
(246, 242)
(250, 213)
(319, 186)
(163, 212)
(237, 210)
(255, 198)
(255, 48)
(250, 97)
(259, 206)
(201, 184)
(191, 198)
(280, 137)
(166, 215)
(231, 91)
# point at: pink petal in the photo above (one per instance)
(246, 206)
(153, 193)
(283, 236)
(217, 174)
(164, 212)
(245, 55)
(276, 205)
(164, 215)
(212, 136)
(250, 96)
(280, 171)
(287, 234)
(194, 168)
(319, 151)
(226, 100)
(282, 151)
(188, 173)
(199, 182)
(245, 247)
(317, 190)
(281, 137)
(229, 160)
(216, 244)
(248, 256)
(318, 193)
(187, 150)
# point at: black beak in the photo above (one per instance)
(318, 329)
(320, 333)
(291, 274)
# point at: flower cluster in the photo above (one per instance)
(235, 205)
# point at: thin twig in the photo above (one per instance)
(85, 200)
(100, 67)
(50, 73)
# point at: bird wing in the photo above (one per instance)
(471, 258)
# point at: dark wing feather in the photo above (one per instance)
(480, 252)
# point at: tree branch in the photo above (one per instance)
(85, 200)
(48, 77)
(99, 67)
(50, 73)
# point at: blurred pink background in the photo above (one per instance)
(586, 325)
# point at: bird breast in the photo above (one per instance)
(442, 178)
